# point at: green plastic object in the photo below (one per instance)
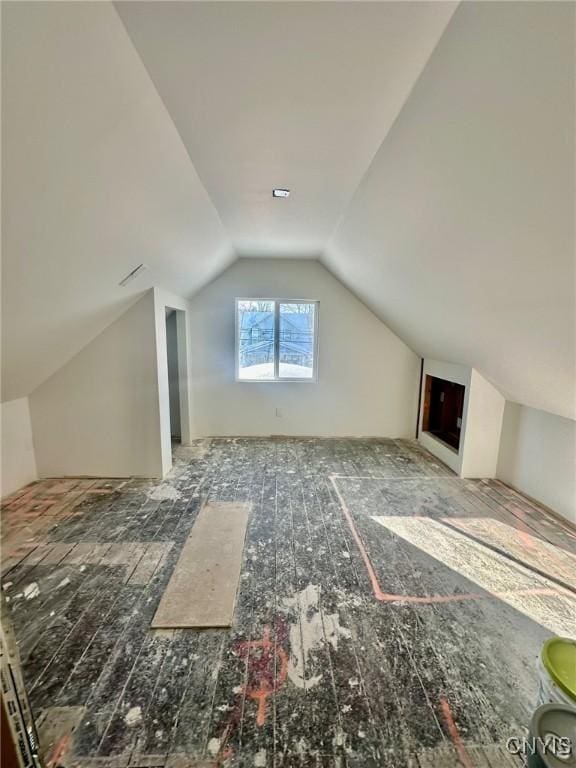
(559, 658)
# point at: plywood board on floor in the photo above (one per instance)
(202, 590)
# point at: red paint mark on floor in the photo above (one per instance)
(454, 733)
(59, 751)
(267, 669)
(265, 677)
(386, 597)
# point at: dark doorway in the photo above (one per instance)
(443, 410)
(173, 374)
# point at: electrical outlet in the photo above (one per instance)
(279, 413)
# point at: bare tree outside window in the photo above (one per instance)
(276, 340)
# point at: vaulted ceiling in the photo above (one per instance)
(429, 150)
(95, 181)
(461, 234)
(296, 95)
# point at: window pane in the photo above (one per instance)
(297, 340)
(255, 340)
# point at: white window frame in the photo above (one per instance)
(277, 378)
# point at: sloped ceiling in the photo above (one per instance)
(429, 151)
(461, 235)
(96, 180)
(296, 95)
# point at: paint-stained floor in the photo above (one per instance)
(388, 614)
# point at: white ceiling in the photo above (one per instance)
(430, 156)
(461, 235)
(296, 95)
(95, 181)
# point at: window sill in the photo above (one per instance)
(276, 381)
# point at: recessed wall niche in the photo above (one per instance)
(443, 410)
(460, 418)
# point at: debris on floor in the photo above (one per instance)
(388, 613)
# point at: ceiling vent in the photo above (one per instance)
(131, 275)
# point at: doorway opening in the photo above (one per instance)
(174, 375)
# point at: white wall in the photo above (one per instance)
(483, 428)
(18, 460)
(99, 414)
(368, 378)
(461, 234)
(538, 457)
(482, 415)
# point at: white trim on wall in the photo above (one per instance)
(162, 301)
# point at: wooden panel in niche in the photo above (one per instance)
(443, 410)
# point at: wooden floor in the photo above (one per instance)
(389, 614)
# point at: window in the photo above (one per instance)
(276, 340)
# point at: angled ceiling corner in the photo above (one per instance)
(460, 236)
(232, 253)
(305, 109)
(96, 181)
